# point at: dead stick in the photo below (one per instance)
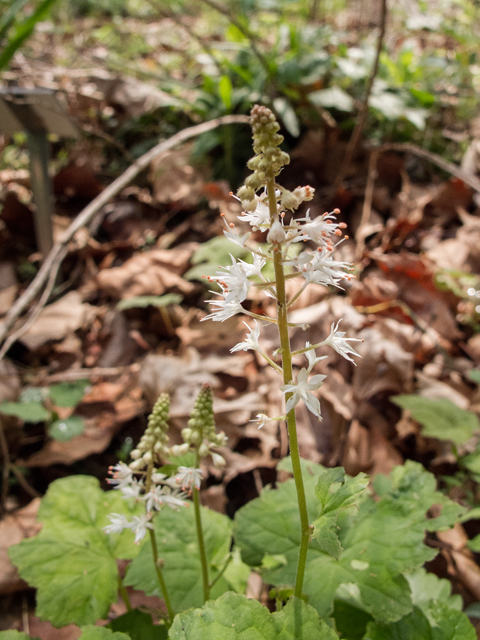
(353, 142)
(469, 179)
(52, 276)
(90, 210)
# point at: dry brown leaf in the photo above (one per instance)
(58, 320)
(13, 529)
(46, 631)
(462, 566)
(144, 274)
(176, 179)
(384, 367)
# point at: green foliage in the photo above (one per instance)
(26, 411)
(72, 562)
(91, 632)
(66, 429)
(15, 635)
(16, 27)
(233, 616)
(441, 419)
(68, 394)
(35, 405)
(382, 540)
(178, 547)
(335, 493)
(212, 253)
(139, 626)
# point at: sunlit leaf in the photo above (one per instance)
(65, 429)
(26, 411)
(441, 418)
(72, 562)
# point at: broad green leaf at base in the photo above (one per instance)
(235, 617)
(381, 539)
(439, 622)
(72, 562)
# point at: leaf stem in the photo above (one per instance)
(201, 541)
(124, 594)
(222, 570)
(282, 320)
(156, 562)
(161, 579)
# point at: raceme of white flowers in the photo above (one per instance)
(283, 231)
(163, 491)
(141, 481)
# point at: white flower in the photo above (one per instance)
(321, 268)
(139, 526)
(174, 499)
(118, 523)
(277, 233)
(121, 475)
(255, 269)
(225, 310)
(251, 340)
(132, 490)
(234, 282)
(262, 419)
(153, 499)
(302, 391)
(312, 357)
(258, 218)
(340, 344)
(233, 236)
(188, 478)
(319, 229)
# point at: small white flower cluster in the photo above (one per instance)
(313, 265)
(163, 491)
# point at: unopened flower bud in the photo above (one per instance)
(179, 449)
(203, 450)
(276, 235)
(137, 465)
(187, 435)
(289, 201)
(218, 461)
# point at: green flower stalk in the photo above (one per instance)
(142, 482)
(267, 211)
(201, 437)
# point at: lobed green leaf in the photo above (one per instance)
(72, 562)
(235, 617)
(381, 540)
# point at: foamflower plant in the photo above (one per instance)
(269, 207)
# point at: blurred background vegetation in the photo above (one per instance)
(309, 60)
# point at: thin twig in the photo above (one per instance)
(468, 178)
(90, 210)
(52, 276)
(353, 142)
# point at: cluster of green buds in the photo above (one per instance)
(268, 157)
(154, 440)
(200, 435)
